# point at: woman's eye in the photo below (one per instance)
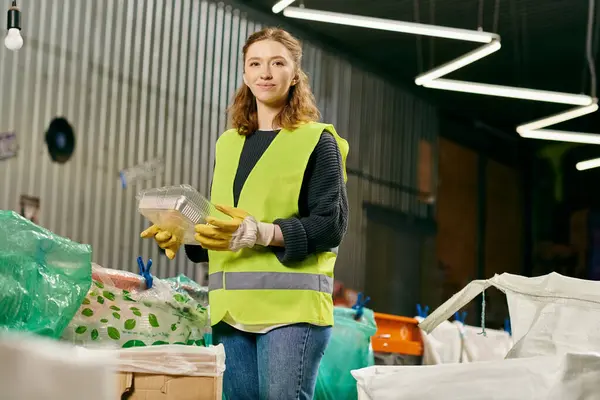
(253, 64)
(278, 63)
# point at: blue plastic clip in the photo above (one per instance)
(460, 317)
(123, 182)
(360, 304)
(507, 326)
(422, 312)
(145, 271)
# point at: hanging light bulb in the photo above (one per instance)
(13, 40)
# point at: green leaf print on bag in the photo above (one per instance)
(99, 284)
(94, 334)
(136, 311)
(115, 308)
(134, 343)
(116, 315)
(159, 343)
(80, 330)
(86, 301)
(180, 298)
(127, 297)
(109, 295)
(153, 321)
(174, 327)
(87, 312)
(104, 320)
(130, 324)
(100, 299)
(113, 333)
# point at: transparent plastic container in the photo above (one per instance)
(176, 209)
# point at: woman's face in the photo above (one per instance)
(269, 72)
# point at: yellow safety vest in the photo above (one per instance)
(251, 284)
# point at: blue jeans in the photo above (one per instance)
(281, 364)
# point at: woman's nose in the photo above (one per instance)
(266, 73)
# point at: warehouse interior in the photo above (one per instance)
(473, 160)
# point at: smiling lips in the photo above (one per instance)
(266, 86)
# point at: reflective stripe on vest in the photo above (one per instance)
(270, 280)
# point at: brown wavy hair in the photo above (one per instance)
(300, 106)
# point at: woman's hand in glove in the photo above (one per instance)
(241, 231)
(165, 239)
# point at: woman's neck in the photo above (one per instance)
(266, 114)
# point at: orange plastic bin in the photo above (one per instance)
(395, 334)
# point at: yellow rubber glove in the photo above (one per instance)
(165, 239)
(241, 231)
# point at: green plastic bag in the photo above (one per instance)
(43, 277)
(349, 349)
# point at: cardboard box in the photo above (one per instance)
(171, 372)
(137, 386)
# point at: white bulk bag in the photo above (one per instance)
(495, 345)
(33, 367)
(560, 377)
(550, 314)
(453, 342)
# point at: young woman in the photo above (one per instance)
(280, 176)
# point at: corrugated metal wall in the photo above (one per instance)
(140, 79)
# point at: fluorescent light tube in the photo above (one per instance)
(562, 136)
(510, 92)
(458, 63)
(589, 164)
(557, 118)
(281, 5)
(389, 25)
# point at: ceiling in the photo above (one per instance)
(543, 47)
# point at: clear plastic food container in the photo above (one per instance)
(176, 209)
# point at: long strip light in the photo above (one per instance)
(389, 25)
(563, 136)
(458, 63)
(589, 164)
(557, 118)
(281, 5)
(535, 129)
(432, 79)
(510, 92)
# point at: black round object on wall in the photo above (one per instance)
(60, 140)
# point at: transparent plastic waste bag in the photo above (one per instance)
(173, 360)
(43, 277)
(119, 311)
(349, 349)
(193, 288)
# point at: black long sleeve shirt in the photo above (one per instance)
(322, 204)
